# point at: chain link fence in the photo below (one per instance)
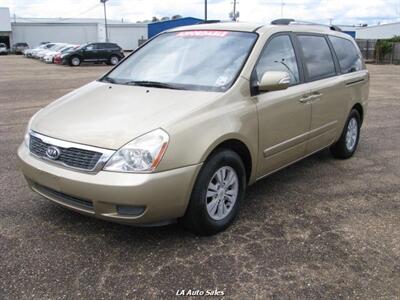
(372, 53)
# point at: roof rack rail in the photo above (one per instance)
(296, 22)
(282, 21)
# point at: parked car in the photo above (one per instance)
(181, 127)
(94, 52)
(50, 56)
(53, 49)
(19, 48)
(34, 51)
(3, 49)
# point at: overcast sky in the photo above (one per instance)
(341, 11)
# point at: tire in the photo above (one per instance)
(346, 146)
(74, 61)
(203, 219)
(114, 60)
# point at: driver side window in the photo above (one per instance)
(279, 55)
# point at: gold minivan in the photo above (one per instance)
(184, 124)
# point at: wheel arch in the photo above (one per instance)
(75, 55)
(239, 146)
(360, 110)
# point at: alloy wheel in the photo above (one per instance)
(222, 193)
(351, 134)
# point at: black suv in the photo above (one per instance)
(109, 53)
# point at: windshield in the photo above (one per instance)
(69, 48)
(207, 60)
(82, 46)
(57, 47)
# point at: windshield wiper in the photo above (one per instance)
(153, 84)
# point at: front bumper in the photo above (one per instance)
(158, 197)
(48, 60)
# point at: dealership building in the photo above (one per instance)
(80, 30)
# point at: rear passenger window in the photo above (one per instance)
(349, 57)
(279, 56)
(318, 57)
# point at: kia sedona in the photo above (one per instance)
(181, 127)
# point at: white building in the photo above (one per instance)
(5, 25)
(383, 31)
(75, 31)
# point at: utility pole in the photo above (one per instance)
(282, 5)
(234, 14)
(105, 17)
(234, 10)
(205, 10)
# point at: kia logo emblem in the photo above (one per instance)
(53, 152)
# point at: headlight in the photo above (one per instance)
(143, 154)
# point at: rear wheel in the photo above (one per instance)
(218, 191)
(75, 61)
(347, 144)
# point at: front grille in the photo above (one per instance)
(72, 157)
(67, 199)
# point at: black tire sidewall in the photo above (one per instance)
(340, 149)
(197, 218)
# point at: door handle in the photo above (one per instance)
(316, 94)
(310, 98)
(305, 99)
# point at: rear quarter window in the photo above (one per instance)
(317, 57)
(348, 55)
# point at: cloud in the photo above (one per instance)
(341, 11)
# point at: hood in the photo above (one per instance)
(109, 115)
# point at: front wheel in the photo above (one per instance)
(218, 191)
(347, 144)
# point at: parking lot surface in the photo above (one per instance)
(322, 228)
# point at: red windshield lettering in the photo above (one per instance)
(213, 33)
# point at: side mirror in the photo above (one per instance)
(274, 81)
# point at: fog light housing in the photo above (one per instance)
(128, 210)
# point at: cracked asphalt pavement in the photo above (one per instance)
(322, 228)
